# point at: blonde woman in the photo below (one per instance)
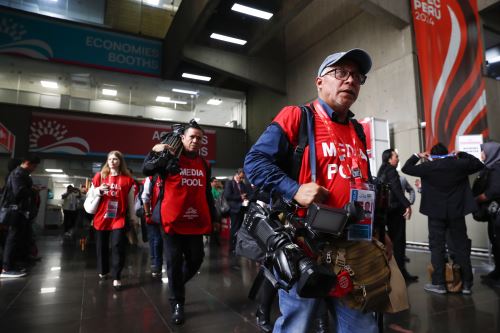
(115, 188)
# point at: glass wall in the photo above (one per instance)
(49, 85)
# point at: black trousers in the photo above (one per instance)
(458, 244)
(17, 225)
(494, 236)
(396, 229)
(117, 251)
(236, 221)
(184, 256)
(69, 219)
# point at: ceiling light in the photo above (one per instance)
(182, 91)
(228, 39)
(214, 101)
(197, 119)
(172, 101)
(162, 99)
(252, 11)
(151, 2)
(109, 92)
(49, 84)
(58, 175)
(196, 77)
(53, 170)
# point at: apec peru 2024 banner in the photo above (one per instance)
(450, 56)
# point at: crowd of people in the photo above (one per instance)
(179, 202)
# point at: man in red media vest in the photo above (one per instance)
(186, 212)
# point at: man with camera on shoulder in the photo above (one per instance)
(324, 184)
(186, 208)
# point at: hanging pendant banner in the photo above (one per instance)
(450, 57)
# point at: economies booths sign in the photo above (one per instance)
(46, 39)
(85, 136)
(450, 56)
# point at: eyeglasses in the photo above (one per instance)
(342, 74)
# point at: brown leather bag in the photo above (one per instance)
(369, 269)
(453, 276)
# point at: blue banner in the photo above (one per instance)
(45, 39)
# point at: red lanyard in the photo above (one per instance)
(354, 160)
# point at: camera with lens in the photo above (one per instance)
(493, 208)
(168, 159)
(288, 260)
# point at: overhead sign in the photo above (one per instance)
(39, 38)
(7, 140)
(450, 56)
(76, 135)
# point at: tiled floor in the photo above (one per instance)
(216, 298)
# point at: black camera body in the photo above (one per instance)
(287, 259)
(166, 161)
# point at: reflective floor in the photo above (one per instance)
(63, 293)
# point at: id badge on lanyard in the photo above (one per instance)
(362, 194)
(111, 209)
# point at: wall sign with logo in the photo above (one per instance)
(46, 39)
(7, 140)
(77, 135)
(450, 56)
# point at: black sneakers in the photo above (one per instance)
(178, 314)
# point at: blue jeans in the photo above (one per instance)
(297, 315)
(155, 246)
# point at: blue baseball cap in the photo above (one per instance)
(359, 56)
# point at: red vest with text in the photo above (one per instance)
(112, 209)
(184, 208)
(336, 145)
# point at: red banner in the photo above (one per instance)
(50, 133)
(7, 140)
(450, 56)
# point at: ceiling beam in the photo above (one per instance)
(253, 70)
(189, 19)
(396, 12)
(267, 31)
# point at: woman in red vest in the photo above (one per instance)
(115, 187)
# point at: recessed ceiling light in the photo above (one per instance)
(58, 175)
(109, 92)
(151, 2)
(182, 91)
(49, 84)
(163, 99)
(252, 11)
(214, 101)
(228, 39)
(54, 170)
(197, 119)
(196, 77)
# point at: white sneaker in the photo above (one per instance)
(117, 284)
(12, 274)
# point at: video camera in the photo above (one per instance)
(168, 159)
(287, 258)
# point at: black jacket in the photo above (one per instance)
(446, 192)
(233, 196)
(20, 190)
(388, 174)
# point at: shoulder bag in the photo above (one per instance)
(92, 201)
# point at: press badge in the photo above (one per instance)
(111, 210)
(363, 195)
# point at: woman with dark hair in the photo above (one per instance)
(115, 187)
(399, 209)
(490, 155)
